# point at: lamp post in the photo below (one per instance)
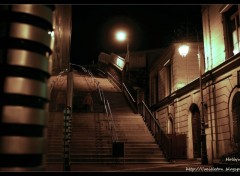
(183, 50)
(122, 36)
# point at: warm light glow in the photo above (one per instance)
(183, 50)
(180, 85)
(121, 36)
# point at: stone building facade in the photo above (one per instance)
(174, 89)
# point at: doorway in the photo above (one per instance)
(236, 120)
(196, 130)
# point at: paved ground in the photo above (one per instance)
(182, 166)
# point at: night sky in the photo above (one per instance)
(149, 27)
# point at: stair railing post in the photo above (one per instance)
(66, 139)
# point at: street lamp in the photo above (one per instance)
(122, 36)
(183, 50)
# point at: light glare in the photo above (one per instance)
(121, 36)
(183, 50)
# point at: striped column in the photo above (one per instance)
(25, 49)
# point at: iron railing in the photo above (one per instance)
(132, 99)
(109, 118)
(129, 95)
(163, 140)
(111, 125)
(169, 143)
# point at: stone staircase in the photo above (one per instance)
(91, 140)
(139, 144)
(118, 103)
(78, 101)
(54, 130)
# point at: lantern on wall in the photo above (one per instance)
(183, 50)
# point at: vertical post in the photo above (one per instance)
(138, 99)
(125, 71)
(69, 87)
(127, 51)
(128, 60)
(67, 119)
(66, 139)
(204, 159)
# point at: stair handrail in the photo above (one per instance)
(129, 96)
(90, 74)
(164, 142)
(110, 121)
(116, 82)
(101, 71)
(111, 125)
(114, 136)
(125, 90)
(128, 93)
(101, 94)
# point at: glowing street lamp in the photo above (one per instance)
(183, 50)
(122, 36)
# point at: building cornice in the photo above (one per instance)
(228, 65)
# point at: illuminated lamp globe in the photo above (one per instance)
(183, 50)
(121, 36)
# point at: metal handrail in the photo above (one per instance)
(125, 87)
(112, 125)
(114, 79)
(130, 98)
(163, 140)
(154, 126)
(125, 91)
(110, 121)
(100, 92)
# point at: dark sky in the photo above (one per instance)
(149, 27)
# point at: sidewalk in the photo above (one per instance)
(181, 165)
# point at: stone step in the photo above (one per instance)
(91, 139)
(103, 154)
(109, 160)
(95, 146)
(106, 145)
(102, 150)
